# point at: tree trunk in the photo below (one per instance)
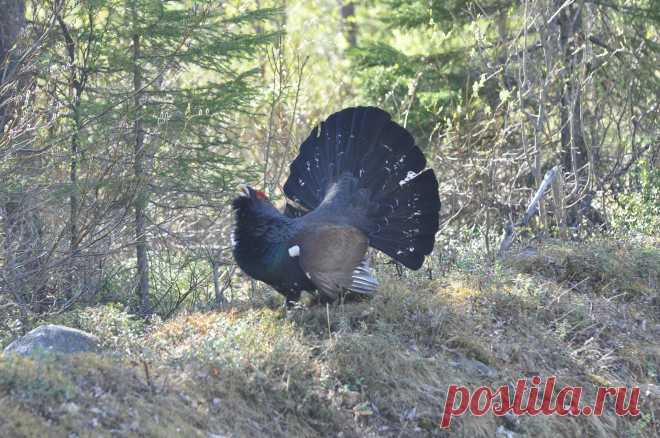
(23, 241)
(347, 12)
(573, 148)
(219, 291)
(75, 92)
(140, 178)
(74, 208)
(12, 22)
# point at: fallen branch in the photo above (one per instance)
(509, 228)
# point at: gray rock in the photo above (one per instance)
(475, 367)
(511, 421)
(504, 432)
(53, 339)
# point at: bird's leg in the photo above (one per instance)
(292, 306)
(322, 298)
(291, 300)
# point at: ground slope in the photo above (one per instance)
(589, 314)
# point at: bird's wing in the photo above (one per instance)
(294, 209)
(332, 256)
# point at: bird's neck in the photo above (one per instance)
(260, 237)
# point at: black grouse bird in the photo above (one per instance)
(358, 181)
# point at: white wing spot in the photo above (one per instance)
(408, 177)
(294, 251)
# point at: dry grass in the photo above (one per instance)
(587, 314)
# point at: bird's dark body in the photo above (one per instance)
(266, 238)
(358, 182)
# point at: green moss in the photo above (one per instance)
(38, 383)
(622, 271)
(19, 422)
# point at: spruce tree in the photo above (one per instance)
(181, 86)
(147, 93)
(419, 86)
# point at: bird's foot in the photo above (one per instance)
(292, 308)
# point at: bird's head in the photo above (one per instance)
(253, 214)
(250, 200)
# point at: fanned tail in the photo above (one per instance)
(403, 209)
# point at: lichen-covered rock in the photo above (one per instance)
(53, 339)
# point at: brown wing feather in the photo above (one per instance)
(329, 254)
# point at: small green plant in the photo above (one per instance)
(646, 419)
(639, 211)
(116, 328)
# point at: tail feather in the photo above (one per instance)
(363, 279)
(382, 156)
(339, 145)
(405, 224)
(390, 162)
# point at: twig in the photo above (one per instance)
(509, 228)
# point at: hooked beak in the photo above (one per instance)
(244, 190)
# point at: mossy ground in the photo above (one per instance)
(587, 313)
